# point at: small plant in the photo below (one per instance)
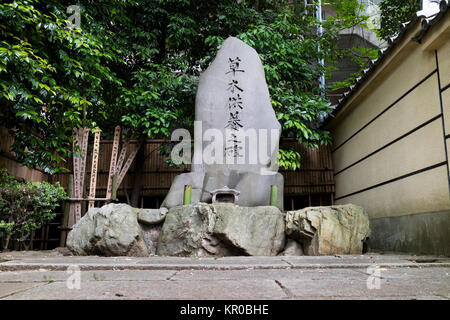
(25, 206)
(49, 279)
(98, 277)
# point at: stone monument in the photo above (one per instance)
(237, 134)
(235, 168)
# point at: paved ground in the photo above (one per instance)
(49, 275)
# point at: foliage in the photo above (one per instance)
(349, 15)
(138, 62)
(394, 13)
(289, 159)
(26, 206)
(49, 71)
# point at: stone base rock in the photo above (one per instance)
(221, 230)
(187, 231)
(293, 248)
(340, 229)
(257, 231)
(151, 216)
(150, 234)
(112, 230)
(254, 188)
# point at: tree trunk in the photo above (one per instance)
(8, 237)
(137, 184)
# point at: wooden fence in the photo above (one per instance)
(314, 177)
(311, 185)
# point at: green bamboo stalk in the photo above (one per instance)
(187, 194)
(273, 195)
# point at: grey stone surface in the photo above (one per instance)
(151, 216)
(292, 248)
(112, 230)
(251, 178)
(311, 283)
(198, 290)
(220, 230)
(42, 261)
(410, 287)
(46, 276)
(187, 231)
(426, 233)
(275, 274)
(340, 229)
(257, 231)
(8, 289)
(257, 113)
(254, 188)
(150, 234)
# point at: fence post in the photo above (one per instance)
(62, 241)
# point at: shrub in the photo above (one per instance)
(26, 206)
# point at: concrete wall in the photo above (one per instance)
(391, 145)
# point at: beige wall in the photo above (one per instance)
(7, 161)
(384, 90)
(406, 115)
(17, 170)
(444, 60)
(446, 108)
(390, 152)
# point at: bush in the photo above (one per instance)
(26, 206)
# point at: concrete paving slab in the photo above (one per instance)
(100, 275)
(151, 263)
(43, 275)
(216, 263)
(409, 273)
(373, 298)
(277, 274)
(360, 261)
(358, 288)
(226, 263)
(7, 289)
(197, 290)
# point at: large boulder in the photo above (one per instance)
(292, 248)
(257, 231)
(151, 216)
(150, 234)
(340, 229)
(222, 229)
(112, 230)
(188, 231)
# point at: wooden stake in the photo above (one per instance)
(127, 165)
(112, 166)
(77, 176)
(94, 168)
(84, 146)
(122, 155)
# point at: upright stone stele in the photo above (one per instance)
(234, 108)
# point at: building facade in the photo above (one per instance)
(392, 139)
